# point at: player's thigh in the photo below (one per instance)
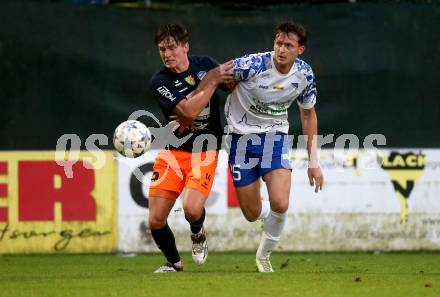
(244, 170)
(249, 199)
(201, 172)
(199, 180)
(278, 183)
(167, 183)
(247, 185)
(168, 174)
(202, 165)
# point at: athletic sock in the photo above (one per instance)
(165, 241)
(197, 225)
(265, 209)
(271, 235)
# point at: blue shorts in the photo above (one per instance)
(253, 155)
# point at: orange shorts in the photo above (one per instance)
(175, 170)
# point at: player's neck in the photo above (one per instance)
(182, 67)
(283, 68)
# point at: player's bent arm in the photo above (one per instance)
(191, 107)
(309, 123)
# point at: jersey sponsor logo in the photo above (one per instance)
(268, 108)
(183, 90)
(201, 74)
(155, 176)
(177, 83)
(263, 87)
(166, 93)
(190, 80)
(278, 88)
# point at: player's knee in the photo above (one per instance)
(192, 213)
(280, 206)
(251, 214)
(156, 223)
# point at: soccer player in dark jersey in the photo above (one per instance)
(185, 88)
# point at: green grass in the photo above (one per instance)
(225, 274)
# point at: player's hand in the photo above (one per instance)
(184, 123)
(316, 178)
(223, 72)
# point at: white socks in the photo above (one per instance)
(273, 227)
(265, 209)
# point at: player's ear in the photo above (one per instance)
(186, 46)
(302, 48)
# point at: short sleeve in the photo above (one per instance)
(167, 93)
(307, 99)
(248, 66)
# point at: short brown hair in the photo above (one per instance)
(291, 27)
(176, 31)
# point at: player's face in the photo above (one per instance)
(287, 48)
(173, 54)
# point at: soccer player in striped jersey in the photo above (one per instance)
(256, 113)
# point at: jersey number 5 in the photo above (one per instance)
(235, 170)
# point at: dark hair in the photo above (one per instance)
(291, 27)
(176, 31)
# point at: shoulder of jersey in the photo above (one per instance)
(257, 58)
(260, 54)
(158, 78)
(199, 58)
(253, 64)
(302, 65)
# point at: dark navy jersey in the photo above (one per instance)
(171, 88)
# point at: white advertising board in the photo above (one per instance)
(386, 200)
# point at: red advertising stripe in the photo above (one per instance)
(3, 191)
(3, 187)
(3, 214)
(232, 194)
(3, 168)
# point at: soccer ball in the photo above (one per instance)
(132, 139)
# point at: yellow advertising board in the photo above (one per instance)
(49, 205)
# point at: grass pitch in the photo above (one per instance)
(224, 275)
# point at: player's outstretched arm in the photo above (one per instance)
(309, 122)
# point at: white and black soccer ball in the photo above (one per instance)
(132, 139)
